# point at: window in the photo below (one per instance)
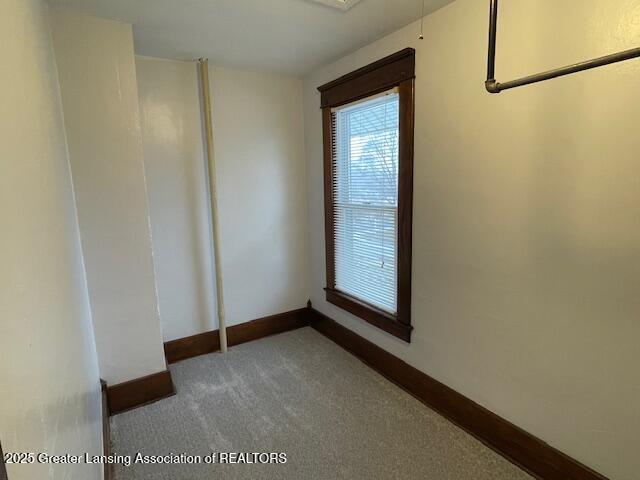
(368, 142)
(365, 200)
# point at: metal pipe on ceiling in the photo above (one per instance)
(493, 86)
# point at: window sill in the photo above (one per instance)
(379, 318)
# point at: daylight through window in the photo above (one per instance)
(366, 199)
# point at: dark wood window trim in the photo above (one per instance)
(397, 70)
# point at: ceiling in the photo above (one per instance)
(286, 36)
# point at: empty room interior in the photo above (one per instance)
(320, 239)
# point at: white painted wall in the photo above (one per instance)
(99, 93)
(526, 235)
(49, 385)
(259, 149)
(178, 196)
(258, 136)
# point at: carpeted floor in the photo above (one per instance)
(300, 394)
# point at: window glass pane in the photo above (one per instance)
(366, 199)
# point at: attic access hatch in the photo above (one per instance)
(343, 5)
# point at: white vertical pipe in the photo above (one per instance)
(203, 64)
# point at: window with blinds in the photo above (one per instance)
(368, 191)
(365, 199)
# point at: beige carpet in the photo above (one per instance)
(298, 394)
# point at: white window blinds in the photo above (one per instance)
(365, 195)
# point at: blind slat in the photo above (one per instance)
(365, 192)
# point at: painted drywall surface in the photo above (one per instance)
(99, 93)
(259, 151)
(178, 196)
(526, 248)
(49, 384)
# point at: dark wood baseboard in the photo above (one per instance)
(139, 392)
(209, 342)
(521, 448)
(194, 346)
(106, 431)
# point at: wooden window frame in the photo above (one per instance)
(394, 71)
